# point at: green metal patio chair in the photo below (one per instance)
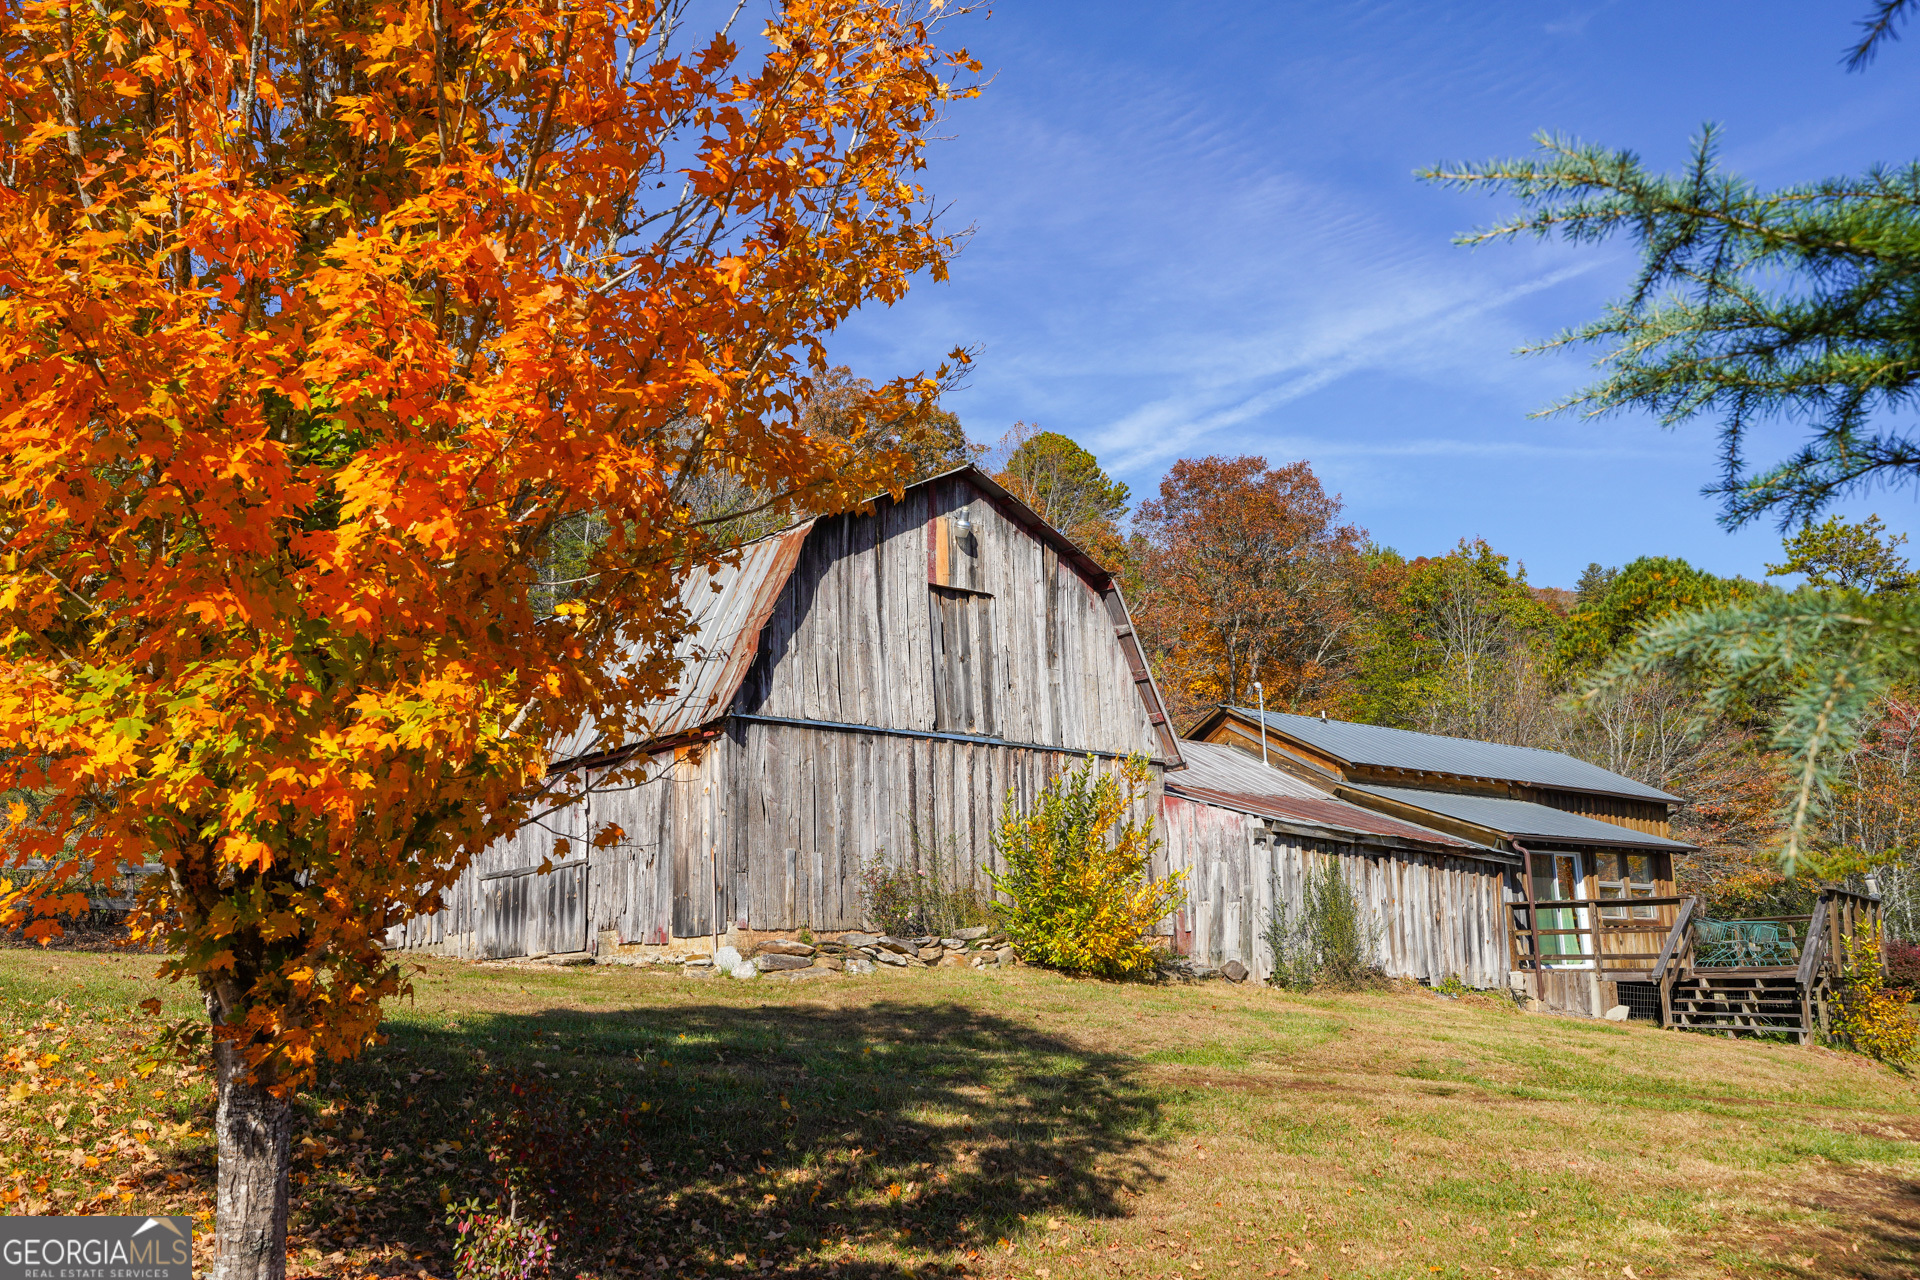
(1743, 944)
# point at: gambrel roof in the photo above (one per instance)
(730, 603)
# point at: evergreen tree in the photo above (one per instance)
(1071, 491)
(1756, 306)
(1593, 583)
(1063, 482)
(1839, 553)
(1750, 305)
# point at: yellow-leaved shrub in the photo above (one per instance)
(1078, 895)
(1865, 1014)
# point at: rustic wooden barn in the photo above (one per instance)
(1586, 924)
(1247, 836)
(859, 687)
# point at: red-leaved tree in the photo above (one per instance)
(1249, 577)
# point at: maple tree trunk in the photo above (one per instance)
(255, 1133)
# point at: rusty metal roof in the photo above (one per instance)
(1232, 779)
(728, 605)
(1224, 768)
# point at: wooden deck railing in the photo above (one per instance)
(1626, 939)
(1847, 913)
(1751, 942)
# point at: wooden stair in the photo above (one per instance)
(1743, 1002)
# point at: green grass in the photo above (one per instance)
(1001, 1122)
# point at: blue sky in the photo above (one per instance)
(1195, 230)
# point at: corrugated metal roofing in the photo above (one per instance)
(1224, 768)
(1371, 744)
(728, 605)
(1234, 780)
(1522, 818)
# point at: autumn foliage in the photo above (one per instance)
(318, 323)
(1868, 1015)
(1249, 577)
(1076, 893)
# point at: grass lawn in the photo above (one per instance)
(1000, 1123)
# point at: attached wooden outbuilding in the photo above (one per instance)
(861, 687)
(1248, 835)
(1590, 904)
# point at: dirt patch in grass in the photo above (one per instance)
(1012, 1123)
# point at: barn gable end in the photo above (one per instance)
(872, 630)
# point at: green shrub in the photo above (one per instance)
(1329, 943)
(1078, 896)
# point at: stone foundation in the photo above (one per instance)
(779, 955)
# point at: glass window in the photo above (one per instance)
(1639, 877)
(1612, 880)
(1627, 876)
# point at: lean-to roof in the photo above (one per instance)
(1227, 777)
(1522, 819)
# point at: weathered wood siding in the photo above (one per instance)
(457, 927)
(863, 634)
(1649, 816)
(808, 809)
(1437, 915)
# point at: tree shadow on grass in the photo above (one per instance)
(719, 1138)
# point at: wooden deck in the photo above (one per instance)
(1766, 976)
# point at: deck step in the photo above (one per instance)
(1740, 1004)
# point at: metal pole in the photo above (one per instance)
(1261, 692)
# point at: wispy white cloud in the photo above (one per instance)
(1331, 447)
(1199, 232)
(1177, 424)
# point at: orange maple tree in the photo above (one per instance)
(319, 322)
(1249, 577)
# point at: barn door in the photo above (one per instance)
(963, 662)
(562, 893)
(503, 915)
(697, 892)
